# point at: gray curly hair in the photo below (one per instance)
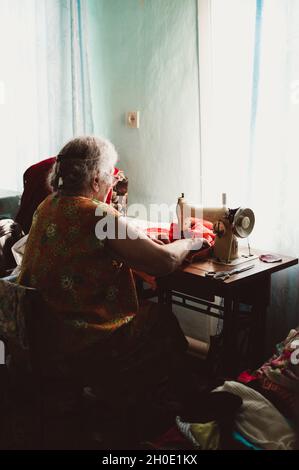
(79, 161)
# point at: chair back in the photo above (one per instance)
(27, 328)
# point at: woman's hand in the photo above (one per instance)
(161, 240)
(199, 243)
(151, 256)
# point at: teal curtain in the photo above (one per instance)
(44, 81)
(273, 167)
(251, 131)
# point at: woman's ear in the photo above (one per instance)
(95, 184)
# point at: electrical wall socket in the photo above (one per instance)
(132, 119)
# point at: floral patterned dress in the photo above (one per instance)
(81, 281)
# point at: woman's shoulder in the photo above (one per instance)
(102, 209)
(79, 202)
(43, 207)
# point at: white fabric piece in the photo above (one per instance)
(258, 420)
(18, 249)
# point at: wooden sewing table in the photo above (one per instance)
(190, 288)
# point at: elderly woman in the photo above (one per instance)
(86, 282)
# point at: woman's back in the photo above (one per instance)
(78, 276)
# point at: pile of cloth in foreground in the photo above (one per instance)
(265, 418)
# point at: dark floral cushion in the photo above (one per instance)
(13, 301)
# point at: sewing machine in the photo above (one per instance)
(228, 225)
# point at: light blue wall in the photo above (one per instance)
(144, 57)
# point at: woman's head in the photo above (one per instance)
(84, 166)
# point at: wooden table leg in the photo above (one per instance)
(258, 334)
(161, 296)
(168, 300)
(228, 333)
(259, 324)
(165, 298)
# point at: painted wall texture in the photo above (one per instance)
(144, 57)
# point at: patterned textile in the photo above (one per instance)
(283, 367)
(78, 276)
(12, 306)
(284, 400)
(278, 378)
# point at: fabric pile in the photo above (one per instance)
(276, 383)
(278, 378)
(199, 228)
(184, 436)
(258, 421)
(206, 425)
(265, 418)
